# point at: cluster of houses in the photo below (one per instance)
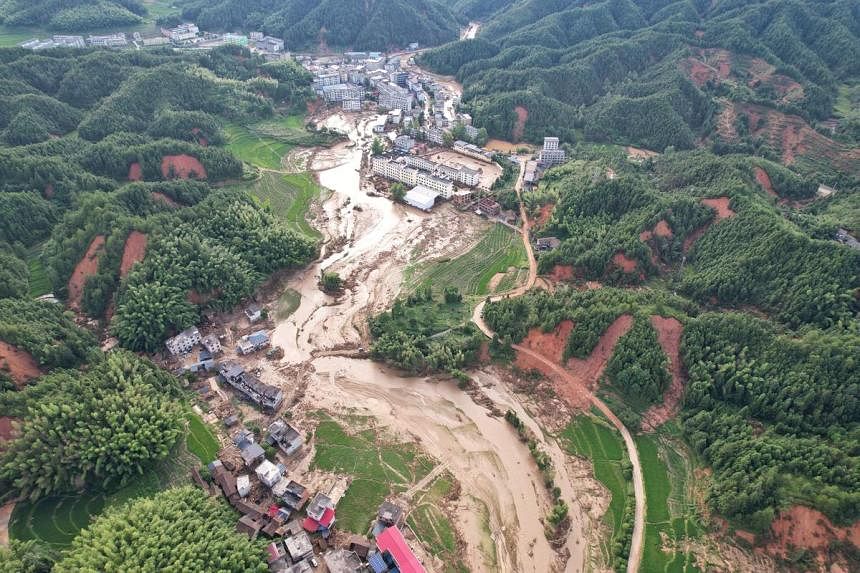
(118, 40)
(299, 526)
(266, 396)
(550, 155)
(186, 35)
(350, 79)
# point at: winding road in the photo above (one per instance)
(635, 557)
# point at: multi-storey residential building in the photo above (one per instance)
(342, 92)
(110, 41)
(267, 396)
(181, 33)
(325, 79)
(551, 154)
(442, 185)
(436, 135)
(351, 105)
(394, 97)
(472, 151)
(471, 132)
(398, 77)
(269, 44)
(69, 41)
(235, 39)
(184, 342)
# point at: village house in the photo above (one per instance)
(184, 342)
(243, 485)
(211, 343)
(268, 473)
(487, 206)
(292, 494)
(118, 40)
(268, 397)
(251, 452)
(285, 437)
(395, 553)
(551, 154)
(320, 515)
(392, 96)
(343, 561)
(252, 342)
(299, 546)
(390, 514)
(254, 312)
(547, 243)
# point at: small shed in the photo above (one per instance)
(243, 485)
(268, 473)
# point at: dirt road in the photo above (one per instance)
(638, 483)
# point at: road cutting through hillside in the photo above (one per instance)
(635, 556)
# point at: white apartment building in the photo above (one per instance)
(182, 33)
(551, 154)
(184, 342)
(394, 97)
(439, 184)
(342, 92)
(109, 41)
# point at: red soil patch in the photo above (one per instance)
(586, 372)
(520, 125)
(182, 167)
(49, 191)
(747, 536)
(18, 364)
(807, 528)
(623, 262)
(549, 344)
(544, 215)
(563, 273)
(763, 179)
(698, 72)
(134, 251)
(164, 199)
(721, 206)
(661, 229)
(135, 172)
(203, 141)
(669, 332)
(88, 265)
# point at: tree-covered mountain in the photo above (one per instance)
(358, 24)
(754, 76)
(72, 15)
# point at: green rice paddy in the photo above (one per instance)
(378, 469)
(39, 282)
(432, 526)
(252, 148)
(500, 249)
(200, 439)
(289, 196)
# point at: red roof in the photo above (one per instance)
(312, 525)
(327, 518)
(392, 541)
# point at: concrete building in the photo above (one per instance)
(471, 150)
(421, 198)
(435, 135)
(268, 473)
(211, 343)
(392, 96)
(351, 105)
(109, 41)
(268, 397)
(299, 546)
(235, 39)
(184, 342)
(285, 437)
(342, 92)
(441, 185)
(252, 342)
(69, 41)
(471, 132)
(268, 44)
(181, 33)
(551, 154)
(404, 143)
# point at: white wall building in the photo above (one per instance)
(421, 198)
(184, 342)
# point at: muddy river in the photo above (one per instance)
(370, 241)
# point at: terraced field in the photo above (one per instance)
(39, 282)
(257, 150)
(290, 196)
(670, 510)
(200, 440)
(590, 437)
(471, 272)
(56, 520)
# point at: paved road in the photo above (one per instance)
(635, 556)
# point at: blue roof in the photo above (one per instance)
(377, 563)
(258, 337)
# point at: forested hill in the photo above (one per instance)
(358, 24)
(107, 158)
(72, 15)
(760, 76)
